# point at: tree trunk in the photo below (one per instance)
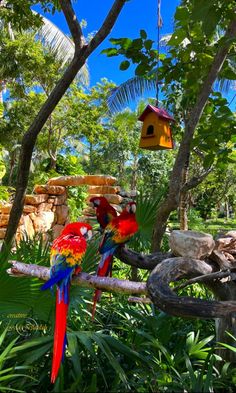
(82, 52)
(172, 200)
(226, 208)
(12, 166)
(183, 204)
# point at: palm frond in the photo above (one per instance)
(147, 206)
(129, 91)
(61, 45)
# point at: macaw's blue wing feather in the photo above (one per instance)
(107, 243)
(56, 277)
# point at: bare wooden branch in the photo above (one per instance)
(207, 278)
(171, 202)
(106, 26)
(192, 183)
(220, 259)
(157, 287)
(83, 279)
(72, 22)
(174, 269)
(144, 300)
(30, 137)
(147, 261)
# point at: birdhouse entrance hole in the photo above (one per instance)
(150, 130)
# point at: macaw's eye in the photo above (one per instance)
(133, 208)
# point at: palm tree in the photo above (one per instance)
(58, 42)
(134, 88)
(61, 45)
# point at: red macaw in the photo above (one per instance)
(104, 211)
(117, 232)
(65, 259)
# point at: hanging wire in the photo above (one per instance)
(159, 25)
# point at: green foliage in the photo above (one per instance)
(147, 206)
(10, 375)
(139, 51)
(4, 193)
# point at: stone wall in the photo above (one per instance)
(46, 210)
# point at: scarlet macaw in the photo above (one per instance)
(117, 232)
(65, 259)
(104, 211)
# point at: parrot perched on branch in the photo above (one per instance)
(65, 259)
(104, 211)
(116, 233)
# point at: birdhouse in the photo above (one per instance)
(156, 132)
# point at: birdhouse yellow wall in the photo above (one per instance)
(156, 133)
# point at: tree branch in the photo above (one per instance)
(29, 139)
(106, 26)
(172, 200)
(174, 269)
(157, 287)
(207, 278)
(85, 280)
(72, 22)
(196, 180)
(141, 261)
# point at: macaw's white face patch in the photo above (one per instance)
(83, 230)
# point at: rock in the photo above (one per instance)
(2, 233)
(29, 209)
(28, 226)
(6, 208)
(62, 214)
(128, 194)
(35, 199)
(47, 189)
(103, 189)
(46, 207)
(42, 221)
(231, 234)
(66, 181)
(89, 211)
(224, 243)
(99, 180)
(4, 218)
(56, 230)
(79, 180)
(220, 259)
(191, 244)
(58, 200)
(112, 198)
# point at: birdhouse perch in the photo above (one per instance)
(156, 132)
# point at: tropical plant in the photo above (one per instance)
(10, 375)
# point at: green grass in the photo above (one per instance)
(213, 226)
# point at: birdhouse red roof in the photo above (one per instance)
(159, 112)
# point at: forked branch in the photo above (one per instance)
(157, 287)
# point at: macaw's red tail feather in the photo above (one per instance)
(59, 334)
(104, 269)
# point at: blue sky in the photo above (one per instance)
(136, 15)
